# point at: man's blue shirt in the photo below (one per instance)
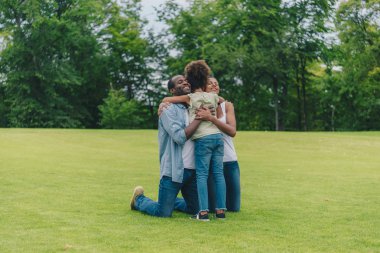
(171, 138)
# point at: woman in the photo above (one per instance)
(227, 124)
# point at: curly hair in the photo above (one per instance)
(197, 73)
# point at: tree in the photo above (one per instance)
(259, 51)
(61, 56)
(359, 91)
(131, 57)
(119, 113)
(305, 35)
(53, 72)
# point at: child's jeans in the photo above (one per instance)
(209, 152)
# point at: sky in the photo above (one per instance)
(149, 13)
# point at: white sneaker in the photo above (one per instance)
(200, 217)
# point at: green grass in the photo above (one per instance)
(69, 191)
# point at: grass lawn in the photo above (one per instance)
(69, 191)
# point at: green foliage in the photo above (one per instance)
(356, 91)
(126, 49)
(3, 112)
(119, 113)
(50, 63)
(132, 59)
(258, 50)
(58, 58)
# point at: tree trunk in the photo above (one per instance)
(275, 98)
(303, 82)
(129, 91)
(283, 106)
(332, 117)
(299, 101)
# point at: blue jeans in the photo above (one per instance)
(232, 178)
(209, 152)
(167, 197)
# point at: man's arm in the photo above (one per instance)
(174, 127)
(191, 128)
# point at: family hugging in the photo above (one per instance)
(197, 155)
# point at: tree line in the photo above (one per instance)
(286, 65)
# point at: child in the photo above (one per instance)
(208, 140)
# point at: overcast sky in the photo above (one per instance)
(149, 13)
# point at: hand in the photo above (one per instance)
(162, 107)
(204, 114)
(212, 109)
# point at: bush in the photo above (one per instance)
(119, 113)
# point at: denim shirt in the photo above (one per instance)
(171, 138)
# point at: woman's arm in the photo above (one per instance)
(177, 99)
(230, 119)
(228, 128)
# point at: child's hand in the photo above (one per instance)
(212, 110)
(204, 114)
(163, 106)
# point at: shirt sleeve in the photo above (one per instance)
(173, 125)
(191, 96)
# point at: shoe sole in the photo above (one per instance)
(199, 219)
(133, 202)
(134, 198)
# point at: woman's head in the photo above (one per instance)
(213, 85)
(197, 73)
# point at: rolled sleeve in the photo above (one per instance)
(173, 125)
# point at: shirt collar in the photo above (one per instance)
(182, 106)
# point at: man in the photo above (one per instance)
(177, 169)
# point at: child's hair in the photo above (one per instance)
(197, 73)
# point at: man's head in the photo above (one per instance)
(178, 85)
(197, 73)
